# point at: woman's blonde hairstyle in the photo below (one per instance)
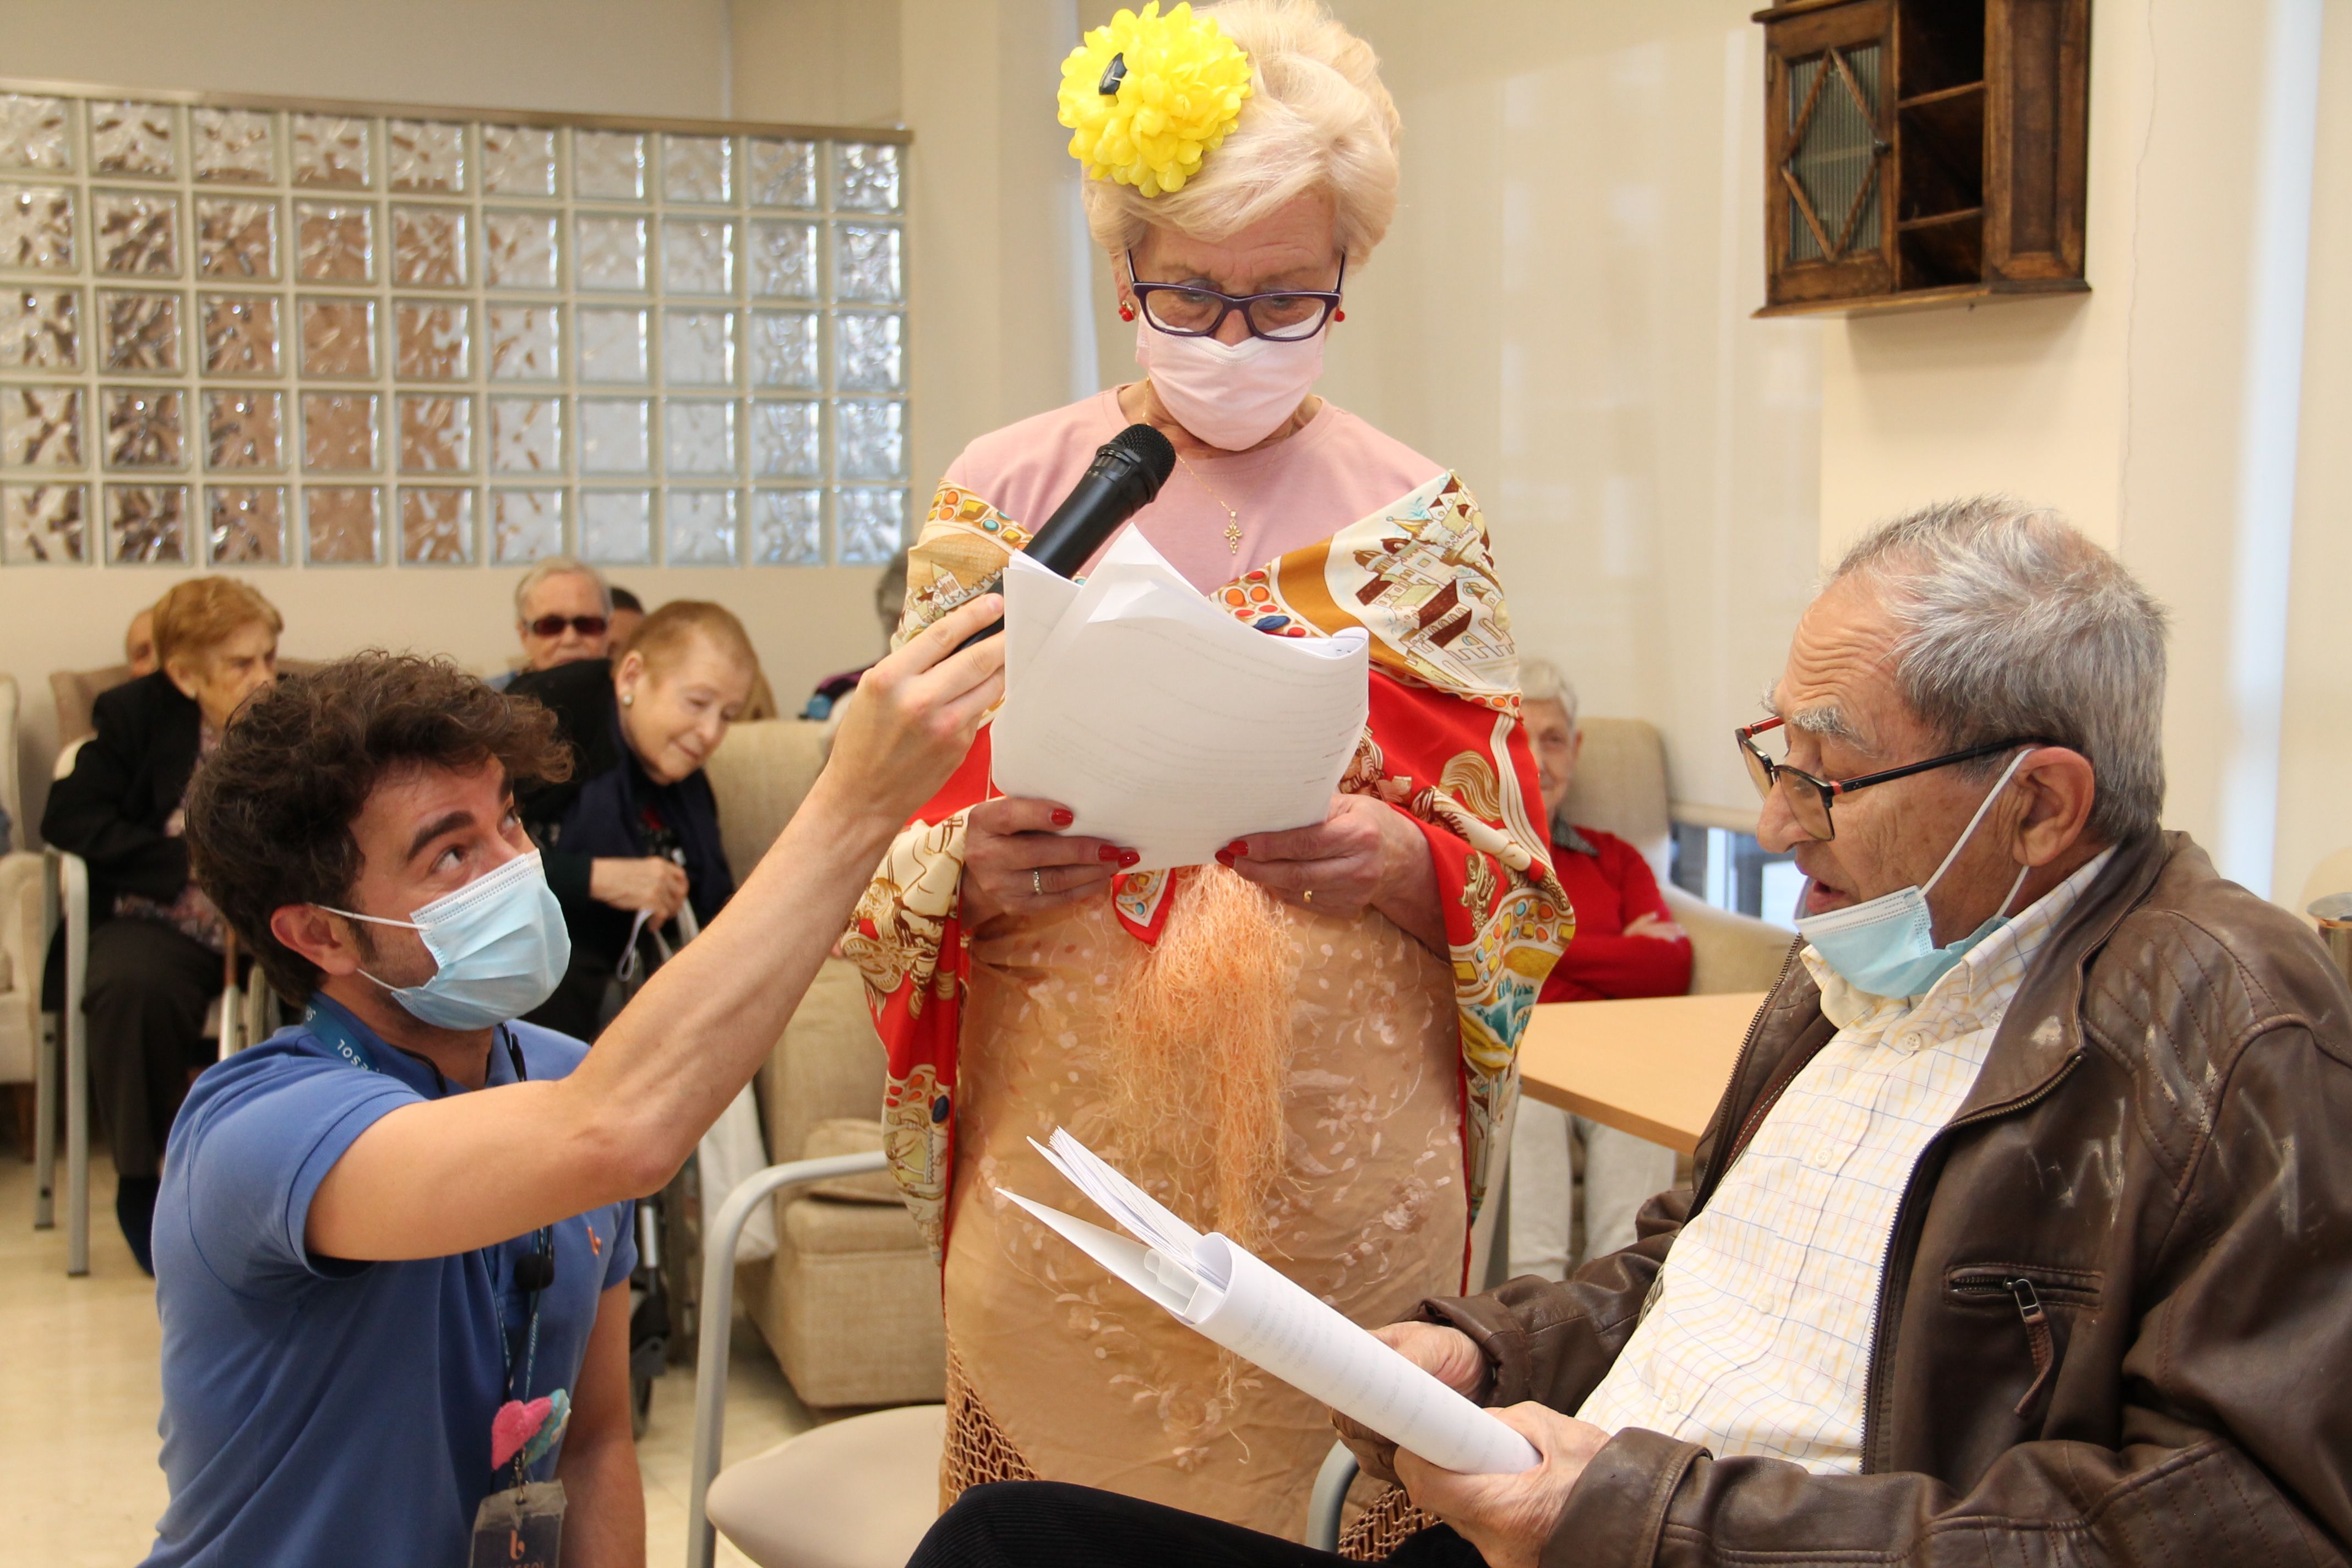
(196, 615)
(1316, 119)
(668, 630)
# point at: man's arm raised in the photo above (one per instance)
(472, 1170)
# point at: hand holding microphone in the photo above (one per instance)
(1124, 478)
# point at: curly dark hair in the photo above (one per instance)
(270, 811)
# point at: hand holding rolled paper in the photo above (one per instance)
(1233, 1298)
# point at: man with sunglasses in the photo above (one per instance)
(563, 614)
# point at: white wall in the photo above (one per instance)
(818, 61)
(602, 57)
(1563, 314)
(999, 295)
(2315, 815)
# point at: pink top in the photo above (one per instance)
(1329, 474)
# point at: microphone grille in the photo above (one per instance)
(1158, 454)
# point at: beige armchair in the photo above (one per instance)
(850, 1302)
(75, 692)
(1621, 788)
(24, 934)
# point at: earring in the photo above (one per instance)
(628, 699)
(1339, 315)
(1125, 311)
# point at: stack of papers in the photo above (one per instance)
(1162, 722)
(1234, 1298)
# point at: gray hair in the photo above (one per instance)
(2010, 623)
(1541, 681)
(562, 567)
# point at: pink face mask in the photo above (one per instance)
(1232, 395)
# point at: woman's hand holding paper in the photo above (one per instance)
(1017, 861)
(1509, 1517)
(1447, 1354)
(1364, 855)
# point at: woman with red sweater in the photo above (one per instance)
(1626, 944)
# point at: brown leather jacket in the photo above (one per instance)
(2160, 1148)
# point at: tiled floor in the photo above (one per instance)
(78, 1397)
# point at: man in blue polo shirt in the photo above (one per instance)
(394, 1241)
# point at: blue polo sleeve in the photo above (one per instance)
(252, 1148)
(624, 1246)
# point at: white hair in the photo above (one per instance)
(2013, 625)
(1317, 119)
(562, 567)
(1541, 681)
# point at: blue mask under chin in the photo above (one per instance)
(1886, 946)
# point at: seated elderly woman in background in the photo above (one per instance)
(633, 835)
(1308, 1045)
(563, 615)
(156, 944)
(1627, 944)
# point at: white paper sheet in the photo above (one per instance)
(1237, 1301)
(1163, 723)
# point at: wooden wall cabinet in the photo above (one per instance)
(1923, 151)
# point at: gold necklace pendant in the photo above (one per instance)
(1232, 518)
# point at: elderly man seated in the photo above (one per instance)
(563, 613)
(1626, 944)
(2022, 1230)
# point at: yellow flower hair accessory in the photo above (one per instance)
(1146, 96)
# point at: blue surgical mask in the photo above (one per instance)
(1886, 946)
(500, 943)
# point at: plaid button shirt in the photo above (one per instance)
(1757, 1338)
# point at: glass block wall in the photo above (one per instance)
(271, 334)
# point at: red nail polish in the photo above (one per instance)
(1226, 858)
(1238, 847)
(1109, 853)
(1062, 816)
(1129, 858)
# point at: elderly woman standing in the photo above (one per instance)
(156, 944)
(1309, 1044)
(632, 837)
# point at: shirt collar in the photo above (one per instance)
(413, 1070)
(1970, 985)
(1564, 836)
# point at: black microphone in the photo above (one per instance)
(1125, 474)
(534, 1271)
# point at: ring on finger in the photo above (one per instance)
(1037, 880)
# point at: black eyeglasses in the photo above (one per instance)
(1189, 310)
(1809, 797)
(552, 626)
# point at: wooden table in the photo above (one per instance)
(1654, 1068)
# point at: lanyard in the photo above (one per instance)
(537, 1270)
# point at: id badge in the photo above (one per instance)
(522, 1526)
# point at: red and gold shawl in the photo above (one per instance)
(1442, 745)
